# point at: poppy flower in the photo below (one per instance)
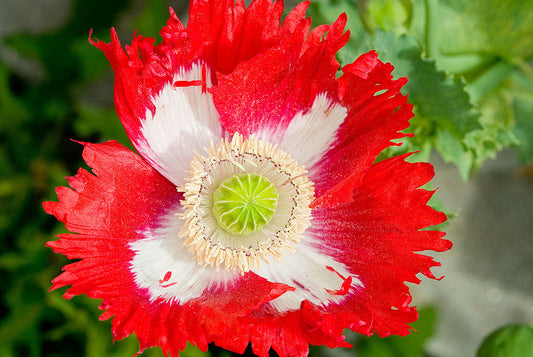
(257, 212)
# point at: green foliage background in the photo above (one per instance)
(471, 83)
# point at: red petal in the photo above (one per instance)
(372, 122)
(263, 75)
(346, 285)
(134, 85)
(124, 194)
(248, 294)
(107, 210)
(267, 91)
(219, 33)
(377, 236)
(225, 33)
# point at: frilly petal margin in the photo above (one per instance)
(249, 101)
(219, 34)
(98, 209)
(263, 74)
(265, 93)
(377, 113)
(107, 210)
(369, 216)
(377, 235)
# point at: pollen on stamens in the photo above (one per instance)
(270, 196)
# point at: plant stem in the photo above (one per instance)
(489, 80)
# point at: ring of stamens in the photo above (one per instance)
(213, 245)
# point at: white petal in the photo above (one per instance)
(306, 271)
(162, 252)
(185, 120)
(310, 135)
(169, 272)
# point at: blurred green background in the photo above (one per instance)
(471, 81)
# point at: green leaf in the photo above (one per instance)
(497, 122)
(388, 15)
(493, 27)
(509, 341)
(452, 150)
(524, 128)
(522, 105)
(438, 97)
(444, 114)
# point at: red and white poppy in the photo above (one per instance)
(256, 212)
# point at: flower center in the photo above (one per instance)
(244, 203)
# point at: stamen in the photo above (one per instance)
(245, 202)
